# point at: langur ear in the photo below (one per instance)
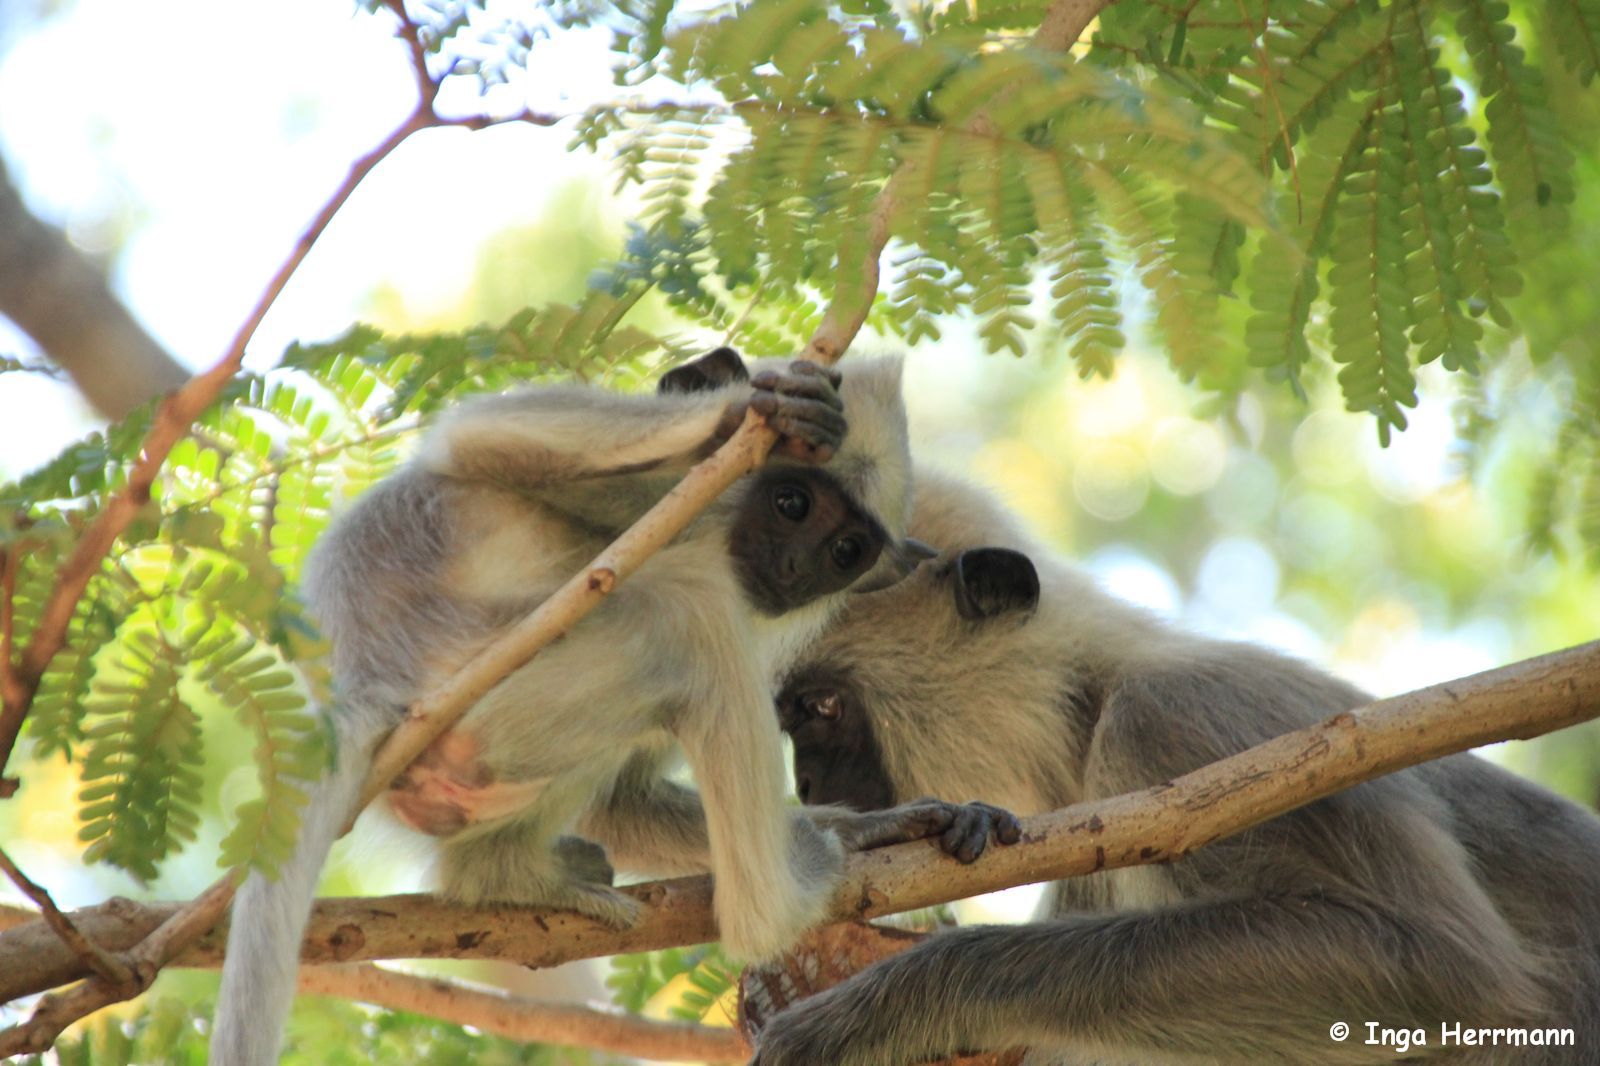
(990, 582)
(705, 374)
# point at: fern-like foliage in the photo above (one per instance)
(1375, 169)
(1352, 109)
(196, 612)
(1000, 159)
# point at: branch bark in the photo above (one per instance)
(529, 1020)
(60, 299)
(1065, 22)
(1160, 824)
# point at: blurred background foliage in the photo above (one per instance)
(1135, 410)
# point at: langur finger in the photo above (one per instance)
(822, 428)
(802, 386)
(827, 417)
(1005, 826)
(807, 367)
(965, 840)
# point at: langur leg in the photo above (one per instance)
(649, 824)
(1263, 979)
(451, 787)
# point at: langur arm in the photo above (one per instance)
(1265, 977)
(561, 435)
(963, 829)
(648, 823)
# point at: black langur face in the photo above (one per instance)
(796, 537)
(836, 755)
(911, 639)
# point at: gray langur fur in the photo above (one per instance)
(508, 497)
(1451, 893)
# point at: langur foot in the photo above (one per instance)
(585, 860)
(609, 906)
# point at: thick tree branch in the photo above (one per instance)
(1160, 824)
(529, 1020)
(141, 965)
(60, 299)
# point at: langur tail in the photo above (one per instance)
(269, 916)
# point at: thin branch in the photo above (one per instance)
(408, 31)
(181, 408)
(170, 425)
(528, 1020)
(143, 962)
(1063, 23)
(1160, 824)
(99, 962)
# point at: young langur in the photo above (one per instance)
(1453, 893)
(509, 496)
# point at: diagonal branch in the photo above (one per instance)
(56, 295)
(1160, 824)
(1065, 21)
(171, 423)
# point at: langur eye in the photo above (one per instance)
(826, 705)
(846, 552)
(791, 502)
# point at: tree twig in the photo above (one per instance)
(1159, 824)
(142, 962)
(1063, 23)
(521, 1018)
(182, 407)
(99, 961)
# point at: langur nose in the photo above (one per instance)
(802, 787)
